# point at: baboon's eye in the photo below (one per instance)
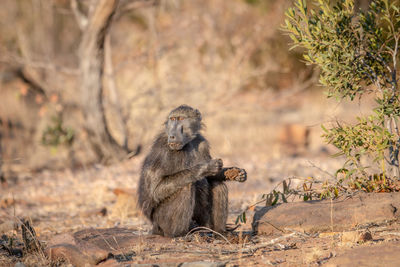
(181, 118)
(172, 118)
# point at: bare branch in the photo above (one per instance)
(81, 19)
(209, 230)
(127, 6)
(372, 75)
(11, 59)
(394, 57)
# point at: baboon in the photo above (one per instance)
(181, 186)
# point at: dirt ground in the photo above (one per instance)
(102, 197)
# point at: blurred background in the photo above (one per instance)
(261, 104)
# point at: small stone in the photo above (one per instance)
(365, 236)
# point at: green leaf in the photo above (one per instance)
(284, 198)
(275, 200)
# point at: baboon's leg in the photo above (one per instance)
(202, 209)
(175, 214)
(219, 205)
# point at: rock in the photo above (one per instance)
(19, 264)
(157, 265)
(185, 264)
(365, 236)
(77, 252)
(70, 254)
(315, 216)
(117, 240)
(203, 264)
(382, 254)
(92, 246)
(145, 265)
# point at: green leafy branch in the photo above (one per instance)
(357, 52)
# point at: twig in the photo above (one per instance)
(38, 65)
(298, 233)
(263, 245)
(372, 75)
(208, 229)
(277, 228)
(322, 170)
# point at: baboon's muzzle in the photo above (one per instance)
(175, 136)
(175, 145)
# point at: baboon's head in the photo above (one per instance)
(182, 126)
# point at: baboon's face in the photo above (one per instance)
(182, 126)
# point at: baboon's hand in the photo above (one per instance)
(242, 176)
(212, 167)
(236, 174)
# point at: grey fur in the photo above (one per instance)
(180, 184)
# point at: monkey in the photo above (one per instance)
(181, 186)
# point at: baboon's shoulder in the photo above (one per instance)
(157, 152)
(201, 144)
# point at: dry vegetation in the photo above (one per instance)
(260, 105)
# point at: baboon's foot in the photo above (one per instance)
(193, 224)
(156, 230)
(235, 174)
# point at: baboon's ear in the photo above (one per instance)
(198, 114)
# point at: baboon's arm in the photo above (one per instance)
(230, 174)
(170, 184)
(220, 176)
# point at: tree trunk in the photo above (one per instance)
(91, 55)
(112, 105)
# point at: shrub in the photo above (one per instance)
(357, 52)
